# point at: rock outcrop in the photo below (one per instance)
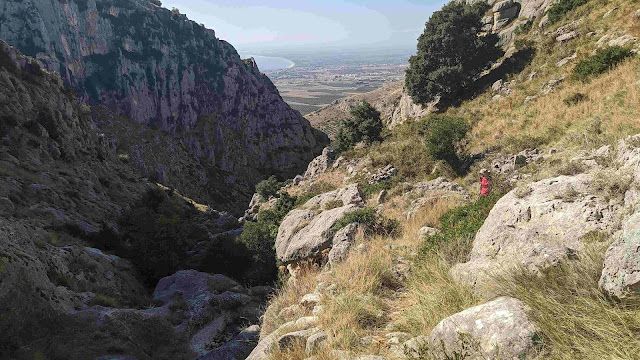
(165, 71)
(499, 329)
(621, 274)
(305, 232)
(537, 229)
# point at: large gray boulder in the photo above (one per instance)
(499, 329)
(305, 232)
(621, 274)
(536, 230)
(320, 164)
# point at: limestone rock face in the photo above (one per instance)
(161, 69)
(539, 230)
(498, 329)
(621, 274)
(407, 109)
(320, 164)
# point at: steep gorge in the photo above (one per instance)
(164, 71)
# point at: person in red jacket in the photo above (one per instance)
(485, 182)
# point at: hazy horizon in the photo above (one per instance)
(252, 26)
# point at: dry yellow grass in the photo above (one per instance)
(576, 320)
(613, 99)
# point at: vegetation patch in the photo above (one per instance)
(444, 135)
(458, 228)
(371, 220)
(575, 318)
(560, 8)
(102, 300)
(604, 60)
(364, 125)
(269, 187)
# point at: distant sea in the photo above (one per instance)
(268, 63)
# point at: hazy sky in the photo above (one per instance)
(275, 24)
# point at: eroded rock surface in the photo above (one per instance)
(621, 274)
(538, 230)
(498, 329)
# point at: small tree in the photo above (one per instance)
(364, 124)
(451, 53)
(443, 135)
(269, 187)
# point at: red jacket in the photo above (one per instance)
(485, 186)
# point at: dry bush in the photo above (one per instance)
(611, 184)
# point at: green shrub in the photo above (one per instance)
(451, 53)
(281, 208)
(559, 9)
(372, 221)
(443, 136)
(458, 228)
(604, 60)
(269, 187)
(259, 238)
(364, 124)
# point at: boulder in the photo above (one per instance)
(342, 242)
(261, 351)
(320, 164)
(310, 300)
(621, 274)
(348, 195)
(537, 230)
(236, 349)
(623, 40)
(502, 5)
(315, 342)
(427, 231)
(383, 174)
(416, 347)
(498, 329)
(566, 37)
(287, 341)
(305, 232)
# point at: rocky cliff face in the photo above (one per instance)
(165, 71)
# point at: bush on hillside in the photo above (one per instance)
(575, 99)
(371, 220)
(451, 53)
(269, 187)
(364, 124)
(444, 134)
(259, 239)
(559, 9)
(604, 60)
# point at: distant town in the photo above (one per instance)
(318, 79)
